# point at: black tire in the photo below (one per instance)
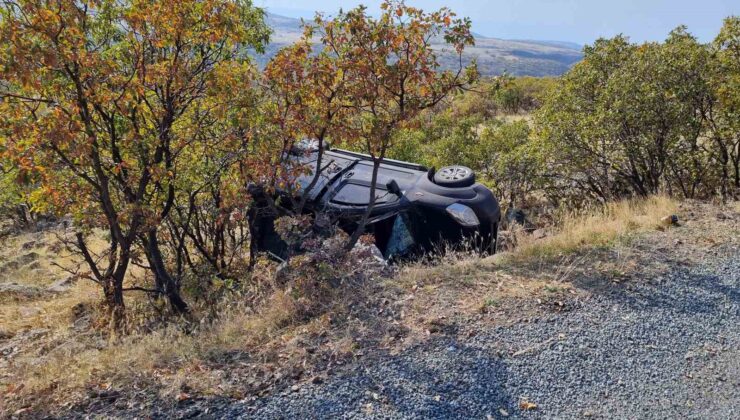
(454, 176)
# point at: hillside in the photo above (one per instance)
(495, 56)
(605, 308)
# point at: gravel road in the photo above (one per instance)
(662, 345)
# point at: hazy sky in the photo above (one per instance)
(579, 21)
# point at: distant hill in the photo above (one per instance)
(495, 56)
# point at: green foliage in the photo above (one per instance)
(511, 160)
(724, 116)
(10, 192)
(15, 187)
(523, 94)
(454, 140)
(410, 145)
(504, 155)
(636, 119)
(628, 119)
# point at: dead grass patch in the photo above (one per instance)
(537, 270)
(64, 362)
(243, 349)
(595, 228)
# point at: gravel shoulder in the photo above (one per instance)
(664, 343)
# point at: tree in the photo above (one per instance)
(100, 99)
(392, 73)
(311, 95)
(723, 115)
(511, 161)
(630, 119)
(207, 229)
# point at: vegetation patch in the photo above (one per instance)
(597, 227)
(140, 143)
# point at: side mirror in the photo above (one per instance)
(393, 187)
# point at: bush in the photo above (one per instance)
(640, 119)
(523, 94)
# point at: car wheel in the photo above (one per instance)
(454, 176)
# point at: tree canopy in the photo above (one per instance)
(101, 102)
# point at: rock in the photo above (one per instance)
(282, 273)
(28, 245)
(56, 247)
(375, 251)
(670, 220)
(28, 311)
(62, 285)
(18, 291)
(43, 225)
(317, 380)
(33, 265)
(65, 222)
(10, 265)
(40, 273)
(539, 233)
(364, 250)
(27, 258)
(516, 216)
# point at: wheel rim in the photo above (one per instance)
(453, 173)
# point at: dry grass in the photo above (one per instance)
(65, 362)
(537, 270)
(596, 228)
(72, 356)
(735, 206)
(61, 350)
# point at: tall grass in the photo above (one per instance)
(78, 359)
(596, 227)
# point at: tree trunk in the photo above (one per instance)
(365, 217)
(113, 291)
(165, 284)
(736, 164)
(24, 215)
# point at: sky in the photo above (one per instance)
(579, 21)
